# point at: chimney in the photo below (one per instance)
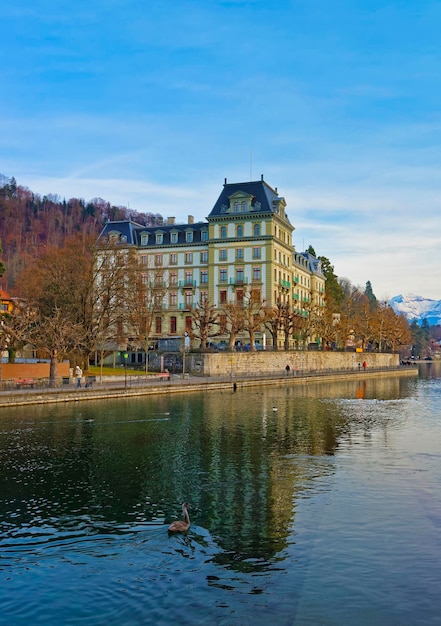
(170, 221)
(190, 219)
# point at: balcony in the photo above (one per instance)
(185, 306)
(187, 284)
(238, 282)
(285, 284)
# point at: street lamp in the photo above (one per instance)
(125, 356)
(185, 341)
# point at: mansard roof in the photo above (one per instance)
(262, 198)
(127, 232)
(310, 262)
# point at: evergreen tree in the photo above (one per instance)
(370, 295)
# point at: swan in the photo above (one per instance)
(181, 526)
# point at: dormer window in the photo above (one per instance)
(174, 237)
(244, 206)
(144, 239)
(159, 238)
(204, 235)
(189, 236)
(236, 207)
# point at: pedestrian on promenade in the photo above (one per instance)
(364, 365)
(79, 375)
(287, 368)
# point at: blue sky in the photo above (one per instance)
(152, 104)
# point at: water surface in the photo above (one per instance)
(317, 504)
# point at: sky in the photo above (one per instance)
(152, 104)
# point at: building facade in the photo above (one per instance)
(244, 246)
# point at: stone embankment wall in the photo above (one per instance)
(249, 363)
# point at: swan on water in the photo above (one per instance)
(181, 526)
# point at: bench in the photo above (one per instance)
(163, 375)
(24, 382)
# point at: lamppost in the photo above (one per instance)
(185, 340)
(125, 357)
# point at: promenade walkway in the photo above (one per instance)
(121, 386)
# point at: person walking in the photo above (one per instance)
(79, 375)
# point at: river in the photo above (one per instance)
(310, 505)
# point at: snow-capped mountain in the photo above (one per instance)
(417, 307)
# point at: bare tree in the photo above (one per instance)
(235, 321)
(205, 321)
(254, 315)
(56, 337)
(144, 298)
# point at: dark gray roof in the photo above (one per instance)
(263, 197)
(314, 265)
(131, 233)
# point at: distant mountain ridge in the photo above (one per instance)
(416, 307)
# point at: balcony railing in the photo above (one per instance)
(238, 281)
(187, 283)
(285, 283)
(185, 306)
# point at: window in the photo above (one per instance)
(158, 325)
(256, 273)
(244, 206)
(204, 257)
(158, 280)
(240, 230)
(239, 253)
(204, 235)
(189, 278)
(173, 298)
(222, 297)
(223, 232)
(239, 297)
(256, 230)
(236, 207)
(189, 236)
(172, 324)
(159, 238)
(204, 296)
(239, 275)
(222, 255)
(173, 258)
(257, 253)
(173, 278)
(158, 259)
(223, 275)
(204, 277)
(144, 259)
(188, 299)
(144, 240)
(189, 257)
(188, 323)
(174, 238)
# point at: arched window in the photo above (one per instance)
(256, 230)
(223, 232)
(240, 230)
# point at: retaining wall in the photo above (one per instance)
(248, 363)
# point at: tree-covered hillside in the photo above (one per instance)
(29, 223)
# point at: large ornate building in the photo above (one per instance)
(244, 246)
